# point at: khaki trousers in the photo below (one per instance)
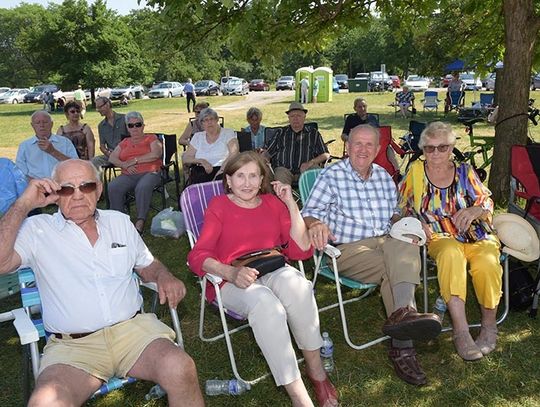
(276, 299)
(381, 260)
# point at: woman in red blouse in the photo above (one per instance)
(250, 218)
(139, 157)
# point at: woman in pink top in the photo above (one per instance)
(139, 157)
(250, 218)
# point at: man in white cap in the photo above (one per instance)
(353, 204)
(296, 148)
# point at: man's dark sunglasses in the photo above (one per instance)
(85, 188)
(131, 125)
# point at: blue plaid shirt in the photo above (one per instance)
(353, 208)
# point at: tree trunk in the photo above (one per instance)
(521, 29)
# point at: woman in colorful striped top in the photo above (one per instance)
(456, 212)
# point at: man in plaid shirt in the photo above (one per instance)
(353, 204)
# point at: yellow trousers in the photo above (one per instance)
(485, 268)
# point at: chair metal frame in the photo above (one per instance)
(194, 221)
(454, 101)
(31, 330)
(307, 179)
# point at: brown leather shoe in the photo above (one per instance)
(406, 366)
(407, 324)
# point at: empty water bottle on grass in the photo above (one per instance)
(155, 392)
(439, 308)
(233, 387)
(327, 353)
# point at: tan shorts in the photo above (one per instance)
(111, 351)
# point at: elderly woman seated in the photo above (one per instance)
(194, 125)
(210, 149)
(139, 157)
(254, 118)
(249, 218)
(405, 100)
(456, 213)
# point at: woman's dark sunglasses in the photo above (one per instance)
(443, 148)
(74, 111)
(131, 125)
(85, 188)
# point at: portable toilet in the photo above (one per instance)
(324, 76)
(301, 73)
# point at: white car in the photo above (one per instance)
(13, 96)
(98, 92)
(236, 87)
(417, 83)
(471, 82)
(128, 91)
(4, 91)
(166, 90)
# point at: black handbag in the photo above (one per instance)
(264, 261)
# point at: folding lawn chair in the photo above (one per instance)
(525, 194)
(386, 156)
(29, 326)
(454, 101)
(326, 266)
(430, 101)
(194, 201)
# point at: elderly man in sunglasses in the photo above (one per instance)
(83, 259)
(37, 156)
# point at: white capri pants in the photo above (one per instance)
(276, 299)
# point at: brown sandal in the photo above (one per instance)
(406, 366)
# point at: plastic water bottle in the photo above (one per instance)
(439, 308)
(233, 387)
(155, 392)
(327, 353)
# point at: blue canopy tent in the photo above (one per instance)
(457, 65)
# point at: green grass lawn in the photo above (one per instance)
(508, 377)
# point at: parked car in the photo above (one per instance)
(471, 82)
(13, 96)
(285, 82)
(342, 80)
(446, 80)
(417, 83)
(37, 93)
(236, 87)
(4, 90)
(379, 81)
(396, 81)
(259, 84)
(206, 88)
(490, 81)
(98, 92)
(166, 90)
(535, 82)
(129, 92)
(223, 82)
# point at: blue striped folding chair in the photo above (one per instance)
(29, 327)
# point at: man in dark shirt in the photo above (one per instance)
(361, 117)
(296, 148)
(112, 129)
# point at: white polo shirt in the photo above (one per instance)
(83, 288)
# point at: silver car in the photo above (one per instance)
(236, 87)
(167, 90)
(128, 91)
(13, 96)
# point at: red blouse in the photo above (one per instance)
(230, 231)
(130, 150)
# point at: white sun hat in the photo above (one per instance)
(518, 236)
(404, 228)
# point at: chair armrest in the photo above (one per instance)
(150, 285)
(213, 279)
(25, 327)
(332, 251)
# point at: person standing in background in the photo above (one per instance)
(189, 90)
(80, 97)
